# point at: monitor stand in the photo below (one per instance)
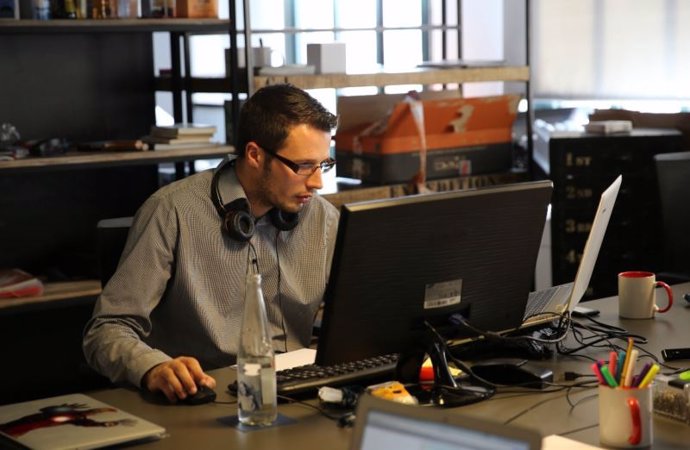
(445, 391)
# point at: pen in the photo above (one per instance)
(619, 368)
(649, 377)
(608, 377)
(637, 379)
(597, 373)
(627, 382)
(613, 364)
(626, 363)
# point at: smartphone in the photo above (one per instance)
(672, 354)
(583, 311)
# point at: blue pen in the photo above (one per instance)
(619, 369)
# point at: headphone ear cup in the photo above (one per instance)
(239, 224)
(282, 220)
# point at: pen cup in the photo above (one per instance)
(625, 417)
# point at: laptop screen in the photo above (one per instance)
(386, 424)
(384, 430)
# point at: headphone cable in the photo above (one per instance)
(280, 295)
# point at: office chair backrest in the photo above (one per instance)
(673, 174)
(112, 235)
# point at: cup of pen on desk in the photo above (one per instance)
(637, 295)
(625, 400)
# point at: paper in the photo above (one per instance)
(556, 442)
(295, 358)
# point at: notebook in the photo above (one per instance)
(565, 297)
(387, 424)
(74, 421)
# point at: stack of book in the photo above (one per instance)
(180, 135)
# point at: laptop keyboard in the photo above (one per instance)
(539, 301)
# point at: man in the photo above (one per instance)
(174, 306)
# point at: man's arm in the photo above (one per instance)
(113, 340)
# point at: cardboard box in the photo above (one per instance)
(197, 9)
(377, 138)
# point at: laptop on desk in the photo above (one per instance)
(387, 424)
(544, 305)
(72, 421)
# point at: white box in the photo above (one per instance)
(327, 58)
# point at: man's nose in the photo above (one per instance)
(314, 180)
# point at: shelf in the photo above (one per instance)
(102, 159)
(198, 26)
(415, 76)
(380, 79)
(57, 292)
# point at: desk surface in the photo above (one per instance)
(201, 426)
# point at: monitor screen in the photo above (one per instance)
(400, 262)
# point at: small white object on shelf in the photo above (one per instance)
(609, 126)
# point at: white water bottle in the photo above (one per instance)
(256, 373)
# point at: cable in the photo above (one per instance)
(338, 418)
(280, 295)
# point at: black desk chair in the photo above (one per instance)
(112, 235)
(673, 174)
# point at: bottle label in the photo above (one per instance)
(256, 385)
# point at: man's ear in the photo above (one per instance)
(255, 157)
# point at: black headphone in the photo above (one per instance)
(238, 221)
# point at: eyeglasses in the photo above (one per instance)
(304, 169)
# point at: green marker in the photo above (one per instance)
(608, 377)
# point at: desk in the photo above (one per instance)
(199, 427)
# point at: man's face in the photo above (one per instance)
(279, 186)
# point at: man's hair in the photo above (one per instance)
(268, 116)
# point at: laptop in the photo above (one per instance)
(542, 305)
(73, 421)
(386, 424)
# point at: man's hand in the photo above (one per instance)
(177, 378)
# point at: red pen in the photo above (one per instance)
(597, 373)
(613, 364)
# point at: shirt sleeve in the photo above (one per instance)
(113, 341)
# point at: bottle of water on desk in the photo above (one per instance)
(256, 373)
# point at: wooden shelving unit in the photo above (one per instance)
(413, 76)
(105, 159)
(56, 292)
(199, 26)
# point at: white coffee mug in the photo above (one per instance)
(625, 417)
(637, 295)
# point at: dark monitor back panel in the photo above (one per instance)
(673, 171)
(401, 261)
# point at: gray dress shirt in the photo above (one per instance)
(179, 287)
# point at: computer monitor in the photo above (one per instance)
(402, 261)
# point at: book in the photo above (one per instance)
(113, 146)
(73, 421)
(187, 139)
(609, 126)
(182, 129)
(16, 283)
(184, 145)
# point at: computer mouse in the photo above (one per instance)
(204, 394)
(513, 372)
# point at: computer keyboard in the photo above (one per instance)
(309, 378)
